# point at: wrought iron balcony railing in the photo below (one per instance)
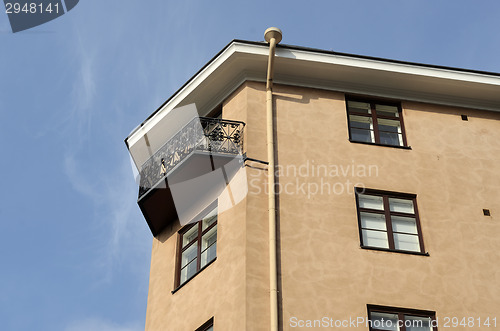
(217, 136)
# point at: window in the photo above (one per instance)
(198, 246)
(389, 221)
(207, 326)
(375, 123)
(400, 319)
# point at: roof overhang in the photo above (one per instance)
(241, 61)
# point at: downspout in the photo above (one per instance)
(272, 36)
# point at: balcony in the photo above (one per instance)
(200, 147)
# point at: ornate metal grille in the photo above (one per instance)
(217, 136)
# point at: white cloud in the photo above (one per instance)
(112, 194)
(84, 90)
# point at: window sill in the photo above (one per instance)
(189, 279)
(382, 145)
(394, 251)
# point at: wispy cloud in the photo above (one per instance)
(93, 127)
(112, 195)
(84, 89)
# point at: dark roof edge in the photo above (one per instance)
(308, 49)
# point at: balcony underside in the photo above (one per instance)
(189, 183)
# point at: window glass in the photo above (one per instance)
(189, 254)
(210, 219)
(390, 132)
(361, 122)
(208, 246)
(418, 323)
(406, 242)
(384, 110)
(371, 202)
(373, 221)
(390, 318)
(404, 224)
(361, 128)
(390, 138)
(375, 238)
(189, 262)
(384, 321)
(389, 126)
(401, 205)
(360, 135)
(189, 236)
(359, 107)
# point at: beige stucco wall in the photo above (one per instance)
(217, 291)
(452, 167)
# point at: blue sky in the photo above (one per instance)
(74, 247)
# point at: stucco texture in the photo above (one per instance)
(452, 167)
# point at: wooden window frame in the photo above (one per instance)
(375, 117)
(401, 312)
(181, 249)
(387, 214)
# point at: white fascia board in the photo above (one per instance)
(404, 68)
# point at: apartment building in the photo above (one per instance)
(385, 208)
